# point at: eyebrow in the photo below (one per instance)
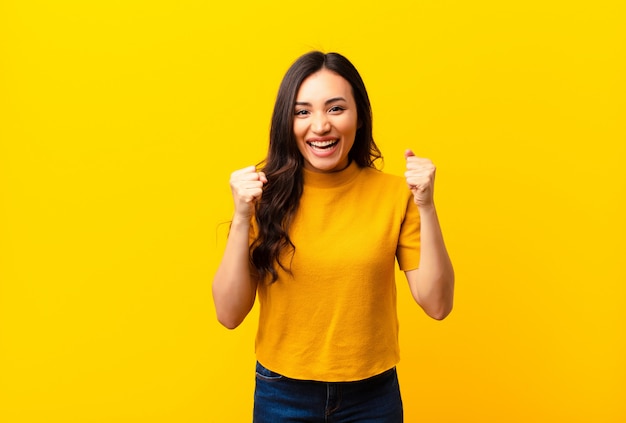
(327, 102)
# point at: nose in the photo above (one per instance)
(320, 123)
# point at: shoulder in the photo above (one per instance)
(372, 175)
(384, 186)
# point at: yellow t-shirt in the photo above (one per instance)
(335, 319)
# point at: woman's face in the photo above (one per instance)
(325, 121)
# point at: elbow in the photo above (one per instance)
(443, 306)
(440, 313)
(438, 307)
(230, 310)
(438, 310)
(226, 316)
(231, 316)
(228, 322)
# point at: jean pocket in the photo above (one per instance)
(266, 374)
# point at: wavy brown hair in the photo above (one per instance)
(283, 164)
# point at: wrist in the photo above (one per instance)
(241, 219)
(426, 208)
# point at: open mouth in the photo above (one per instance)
(322, 145)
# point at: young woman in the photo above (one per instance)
(316, 233)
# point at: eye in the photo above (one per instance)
(336, 109)
(301, 112)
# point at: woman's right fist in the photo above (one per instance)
(247, 187)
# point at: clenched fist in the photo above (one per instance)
(247, 187)
(420, 177)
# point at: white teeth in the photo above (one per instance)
(322, 144)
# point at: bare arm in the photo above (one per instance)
(432, 284)
(234, 287)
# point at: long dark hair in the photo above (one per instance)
(283, 164)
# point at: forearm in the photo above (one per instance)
(432, 285)
(234, 289)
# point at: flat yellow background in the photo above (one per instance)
(120, 122)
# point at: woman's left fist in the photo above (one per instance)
(420, 177)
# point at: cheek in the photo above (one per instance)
(349, 127)
(299, 134)
(298, 130)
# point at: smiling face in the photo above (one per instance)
(325, 121)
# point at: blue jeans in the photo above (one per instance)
(278, 399)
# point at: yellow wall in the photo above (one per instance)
(120, 122)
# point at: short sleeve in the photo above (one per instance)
(408, 249)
